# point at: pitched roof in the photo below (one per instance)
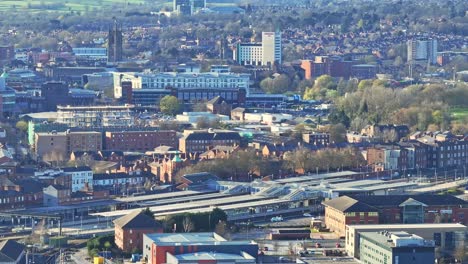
(213, 136)
(136, 219)
(395, 200)
(200, 177)
(164, 149)
(348, 204)
(216, 100)
(10, 250)
(58, 187)
(238, 109)
(4, 181)
(30, 185)
(76, 169)
(366, 203)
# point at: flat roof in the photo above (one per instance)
(95, 107)
(193, 205)
(41, 115)
(388, 186)
(439, 187)
(185, 237)
(390, 240)
(158, 196)
(211, 256)
(205, 238)
(317, 176)
(408, 226)
(184, 199)
(50, 210)
(359, 183)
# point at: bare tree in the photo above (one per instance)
(220, 228)
(460, 254)
(187, 224)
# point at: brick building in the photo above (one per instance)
(314, 138)
(129, 230)
(334, 66)
(219, 106)
(197, 248)
(53, 146)
(139, 140)
(345, 210)
(417, 154)
(445, 150)
(393, 209)
(387, 157)
(199, 142)
(84, 141)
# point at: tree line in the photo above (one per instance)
(421, 106)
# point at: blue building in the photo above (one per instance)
(7, 97)
(395, 247)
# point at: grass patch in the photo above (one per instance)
(459, 113)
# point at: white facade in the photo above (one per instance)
(391, 158)
(265, 53)
(193, 117)
(98, 53)
(271, 46)
(162, 80)
(267, 118)
(79, 179)
(192, 80)
(96, 116)
(118, 181)
(275, 118)
(118, 77)
(422, 50)
(249, 54)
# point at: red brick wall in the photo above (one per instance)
(134, 239)
(140, 140)
(356, 220)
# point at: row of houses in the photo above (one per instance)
(55, 145)
(422, 150)
(67, 185)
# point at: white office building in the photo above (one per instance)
(193, 80)
(97, 53)
(264, 53)
(80, 177)
(96, 116)
(419, 50)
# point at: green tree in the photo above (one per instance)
(337, 133)
(360, 24)
(279, 84)
(169, 105)
(324, 87)
(148, 212)
(364, 84)
(216, 216)
(107, 245)
(22, 126)
(323, 81)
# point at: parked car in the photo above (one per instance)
(276, 219)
